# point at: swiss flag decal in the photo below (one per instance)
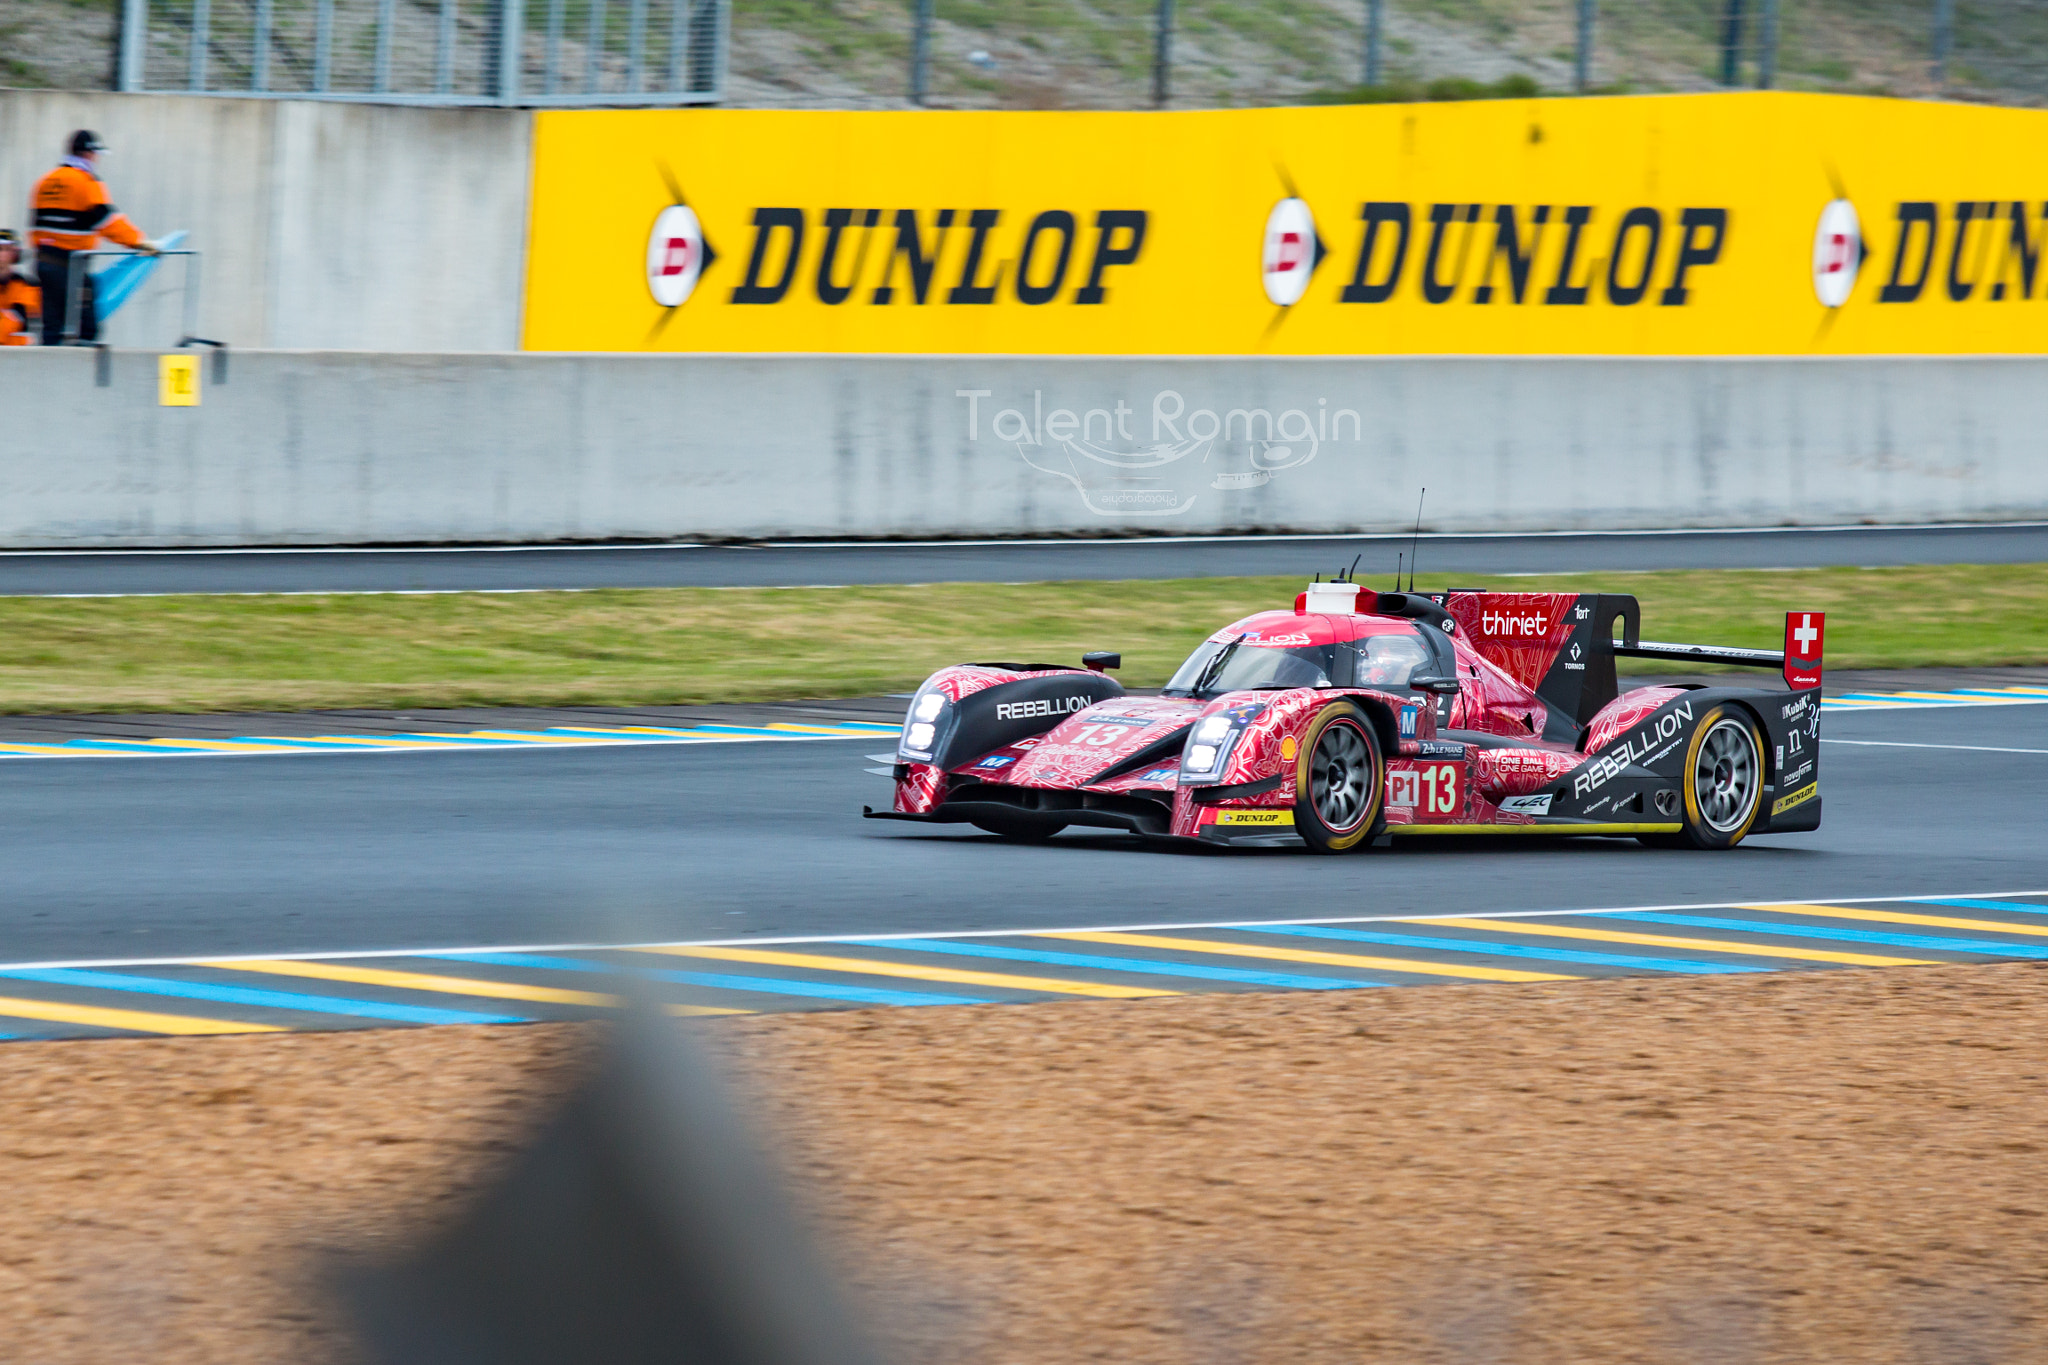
(1804, 634)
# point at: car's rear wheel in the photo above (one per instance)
(1019, 831)
(1340, 781)
(1723, 782)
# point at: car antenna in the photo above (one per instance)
(1354, 566)
(1397, 570)
(1415, 544)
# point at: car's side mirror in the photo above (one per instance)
(1101, 660)
(1443, 687)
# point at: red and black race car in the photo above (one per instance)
(1363, 713)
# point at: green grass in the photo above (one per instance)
(1446, 89)
(703, 644)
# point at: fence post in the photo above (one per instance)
(131, 44)
(202, 36)
(1162, 56)
(1731, 42)
(506, 52)
(387, 20)
(920, 50)
(1767, 46)
(1582, 54)
(1944, 38)
(1375, 16)
(323, 44)
(259, 61)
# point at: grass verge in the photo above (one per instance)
(648, 647)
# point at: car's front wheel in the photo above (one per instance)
(1340, 780)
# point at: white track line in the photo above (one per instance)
(1902, 744)
(1644, 534)
(198, 959)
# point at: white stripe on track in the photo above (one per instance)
(1902, 744)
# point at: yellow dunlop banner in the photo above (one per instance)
(1731, 224)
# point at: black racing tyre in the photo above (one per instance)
(1723, 779)
(1340, 781)
(1019, 831)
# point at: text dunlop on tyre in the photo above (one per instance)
(1339, 779)
(1723, 778)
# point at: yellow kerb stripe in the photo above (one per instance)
(421, 981)
(1708, 945)
(1897, 917)
(1382, 964)
(140, 1021)
(873, 967)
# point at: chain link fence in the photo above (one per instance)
(430, 51)
(1223, 53)
(1077, 54)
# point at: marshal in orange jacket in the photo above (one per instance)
(71, 209)
(20, 304)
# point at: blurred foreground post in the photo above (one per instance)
(1731, 42)
(1944, 39)
(1375, 16)
(1767, 46)
(1162, 56)
(641, 1226)
(1582, 53)
(920, 50)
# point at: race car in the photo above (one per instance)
(1361, 714)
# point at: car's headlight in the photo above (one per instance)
(1208, 749)
(921, 727)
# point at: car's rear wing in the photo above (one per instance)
(1704, 654)
(1799, 660)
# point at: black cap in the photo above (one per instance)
(7, 235)
(85, 142)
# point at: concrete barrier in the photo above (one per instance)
(346, 448)
(336, 226)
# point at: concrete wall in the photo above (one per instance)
(312, 447)
(329, 226)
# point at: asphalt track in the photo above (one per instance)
(537, 854)
(534, 568)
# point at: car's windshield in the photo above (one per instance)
(1390, 660)
(1249, 665)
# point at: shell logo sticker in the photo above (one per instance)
(1837, 253)
(1288, 748)
(675, 255)
(1291, 251)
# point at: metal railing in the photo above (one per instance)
(432, 52)
(74, 289)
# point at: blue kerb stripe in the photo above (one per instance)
(740, 730)
(1141, 965)
(449, 739)
(294, 742)
(767, 985)
(1969, 904)
(123, 747)
(1488, 948)
(259, 999)
(1921, 941)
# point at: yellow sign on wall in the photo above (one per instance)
(1757, 223)
(177, 380)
